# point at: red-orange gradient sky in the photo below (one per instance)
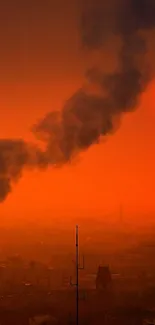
(41, 65)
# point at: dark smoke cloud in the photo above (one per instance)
(86, 116)
(13, 157)
(100, 19)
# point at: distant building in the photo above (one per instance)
(103, 278)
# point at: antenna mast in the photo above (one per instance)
(77, 275)
(76, 284)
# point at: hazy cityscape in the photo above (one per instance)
(116, 282)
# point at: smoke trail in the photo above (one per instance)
(87, 116)
(13, 156)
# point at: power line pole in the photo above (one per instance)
(78, 267)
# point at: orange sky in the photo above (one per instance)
(41, 66)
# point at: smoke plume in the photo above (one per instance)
(88, 116)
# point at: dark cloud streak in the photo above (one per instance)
(86, 116)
